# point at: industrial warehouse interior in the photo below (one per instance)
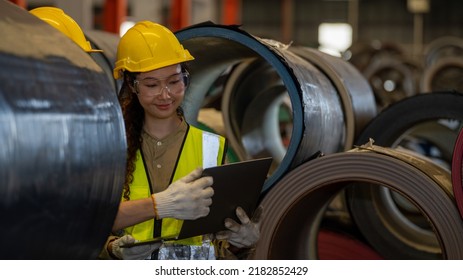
(359, 103)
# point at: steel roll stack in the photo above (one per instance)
(62, 153)
(62, 161)
(295, 206)
(251, 80)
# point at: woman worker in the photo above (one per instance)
(163, 185)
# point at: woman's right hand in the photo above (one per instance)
(188, 198)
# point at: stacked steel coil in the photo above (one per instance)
(264, 75)
(457, 172)
(392, 74)
(62, 157)
(255, 85)
(443, 60)
(428, 125)
(294, 207)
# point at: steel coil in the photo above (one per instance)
(262, 73)
(442, 47)
(457, 171)
(358, 98)
(362, 54)
(62, 158)
(444, 75)
(391, 80)
(107, 42)
(426, 124)
(295, 204)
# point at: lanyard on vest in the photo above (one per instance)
(211, 147)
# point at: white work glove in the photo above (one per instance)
(242, 235)
(188, 198)
(139, 252)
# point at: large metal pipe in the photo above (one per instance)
(62, 157)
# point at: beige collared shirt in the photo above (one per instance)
(161, 155)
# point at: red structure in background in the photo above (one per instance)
(114, 14)
(180, 13)
(20, 3)
(231, 12)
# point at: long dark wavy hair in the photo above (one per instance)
(133, 114)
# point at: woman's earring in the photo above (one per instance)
(135, 88)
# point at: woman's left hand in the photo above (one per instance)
(242, 235)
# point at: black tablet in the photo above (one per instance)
(235, 184)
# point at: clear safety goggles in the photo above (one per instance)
(151, 87)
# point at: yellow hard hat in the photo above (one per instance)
(148, 46)
(64, 23)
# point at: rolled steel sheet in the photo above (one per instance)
(318, 121)
(260, 133)
(357, 96)
(107, 42)
(457, 171)
(250, 110)
(290, 230)
(362, 54)
(428, 125)
(62, 158)
(433, 139)
(445, 74)
(391, 80)
(443, 65)
(442, 47)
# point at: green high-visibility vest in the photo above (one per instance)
(200, 148)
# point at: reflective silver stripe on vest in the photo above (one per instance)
(211, 144)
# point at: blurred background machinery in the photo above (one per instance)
(365, 135)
